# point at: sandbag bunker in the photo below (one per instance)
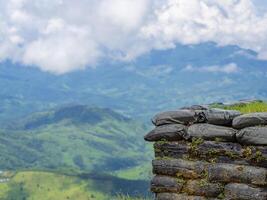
(203, 153)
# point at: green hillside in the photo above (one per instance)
(36, 185)
(76, 139)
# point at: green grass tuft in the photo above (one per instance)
(257, 106)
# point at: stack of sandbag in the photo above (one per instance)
(253, 128)
(203, 153)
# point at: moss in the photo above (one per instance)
(190, 158)
(253, 155)
(221, 196)
(231, 155)
(196, 142)
(213, 160)
(179, 175)
(157, 150)
(203, 183)
(212, 152)
(205, 174)
(166, 158)
(180, 181)
(258, 157)
(247, 152)
(193, 146)
(166, 152)
(218, 140)
(161, 142)
(186, 157)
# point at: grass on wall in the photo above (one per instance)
(257, 106)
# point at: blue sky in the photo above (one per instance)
(261, 4)
(60, 36)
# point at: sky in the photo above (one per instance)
(61, 36)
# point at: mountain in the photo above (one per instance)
(75, 138)
(93, 121)
(159, 80)
(72, 114)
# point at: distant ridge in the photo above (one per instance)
(75, 114)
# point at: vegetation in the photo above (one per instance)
(141, 172)
(71, 141)
(79, 146)
(257, 106)
(33, 185)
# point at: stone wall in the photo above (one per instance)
(203, 153)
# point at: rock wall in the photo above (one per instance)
(203, 153)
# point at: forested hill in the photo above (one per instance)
(77, 138)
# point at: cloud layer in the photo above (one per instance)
(64, 35)
(228, 69)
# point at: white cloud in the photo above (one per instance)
(64, 35)
(223, 22)
(151, 71)
(61, 36)
(228, 69)
(62, 53)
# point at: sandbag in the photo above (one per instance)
(174, 167)
(211, 132)
(253, 136)
(221, 117)
(251, 119)
(195, 107)
(173, 196)
(178, 117)
(229, 173)
(169, 149)
(202, 188)
(237, 191)
(205, 150)
(170, 132)
(165, 184)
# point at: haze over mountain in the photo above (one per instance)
(156, 81)
(74, 137)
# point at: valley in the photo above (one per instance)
(89, 146)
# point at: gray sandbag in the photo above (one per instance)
(173, 196)
(212, 132)
(161, 184)
(195, 107)
(177, 149)
(229, 173)
(258, 156)
(253, 136)
(178, 168)
(236, 191)
(178, 117)
(225, 151)
(169, 132)
(251, 119)
(221, 117)
(203, 188)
